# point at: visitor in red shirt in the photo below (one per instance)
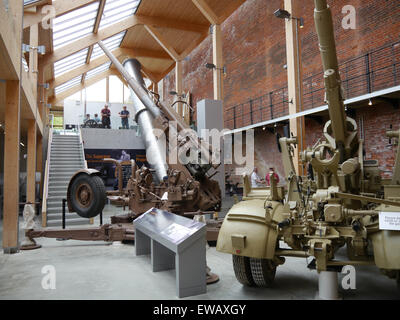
(272, 170)
(105, 117)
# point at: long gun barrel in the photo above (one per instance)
(145, 110)
(334, 98)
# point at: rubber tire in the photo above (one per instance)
(241, 267)
(99, 196)
(212, 243)
(263, 272)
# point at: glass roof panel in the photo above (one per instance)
(117, 10)
(73, 61)
(74, 25)
(111, 43)
(97, 70)
(26, 2)
(73, 82)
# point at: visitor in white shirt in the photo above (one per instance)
(255, 179)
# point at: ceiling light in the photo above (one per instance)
(370, 102)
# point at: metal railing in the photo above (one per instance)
(46, 180)
(376, 70)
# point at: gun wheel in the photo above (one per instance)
(241, 267)
(263, 272)
(88, 195)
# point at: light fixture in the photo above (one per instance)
(27, 48)
(213, 66)
(301, 23)
(174, 93)
(45, 85)
(264, 128)
(283, 14)
(42, 50)
(370, 102)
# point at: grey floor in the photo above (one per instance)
(98, 270)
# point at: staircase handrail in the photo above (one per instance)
(46, 179)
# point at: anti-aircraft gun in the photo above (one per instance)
(181, 185)
(340, 203)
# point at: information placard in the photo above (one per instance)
(389, 221)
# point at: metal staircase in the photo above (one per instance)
(65, 157)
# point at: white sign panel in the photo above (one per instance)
(177, 232)
(389, 221)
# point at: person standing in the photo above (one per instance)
(105, 117)
(255, 179)
(272, 170)
(124, 114)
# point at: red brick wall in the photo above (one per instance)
(254, 52)
(376, 121)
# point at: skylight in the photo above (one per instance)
(26, 2)
(68, 85)
(97, 70)
(74, 25)
(117, 10)
(111, 43)
(73, 61)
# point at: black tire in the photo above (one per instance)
(212, 243)
(263, 272)
(241, 267)
(96, 199)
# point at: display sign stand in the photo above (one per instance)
(174, 242)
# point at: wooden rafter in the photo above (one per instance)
(116, 28)
(163, 42)
(65, 94)
(96, 26)
(103, 59)
(207, 12)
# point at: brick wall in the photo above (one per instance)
(254, 52)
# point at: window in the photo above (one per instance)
(74, 25)
(111, 43)
(68, 85)
(117, 10)
(71, 62)
(97, 70)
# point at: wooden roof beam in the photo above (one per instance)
(112, 30)
(103, 59)
(163, 42)
(63, 95)
(90, 39)
(207, 12)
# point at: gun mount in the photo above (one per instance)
(338, 204)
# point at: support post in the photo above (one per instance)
(11, 168)
(179, 85)
(295, 80)
(108, 89)
(39, 161)
(218, 62)
(31, 163)
(33, 57)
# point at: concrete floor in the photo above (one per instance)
(98, 270)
